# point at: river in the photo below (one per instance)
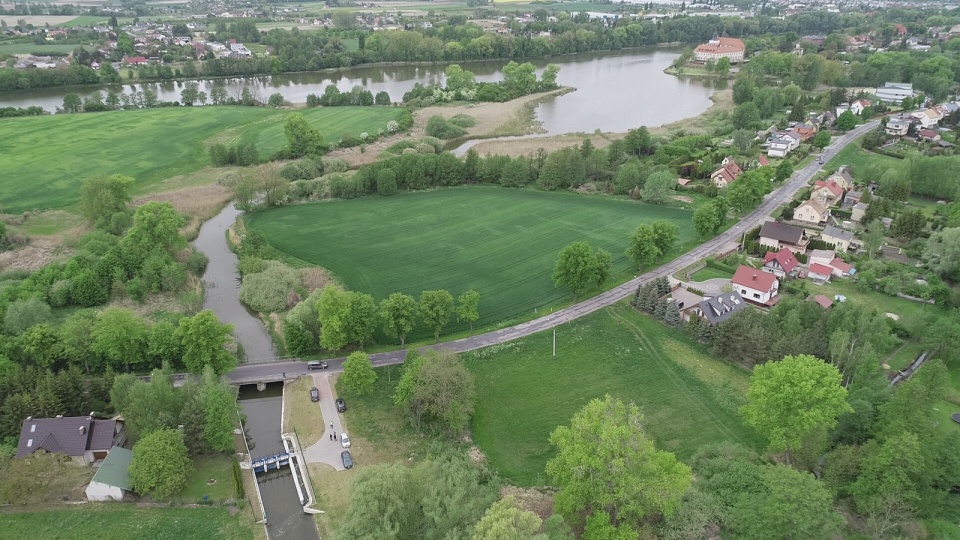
(616, 91)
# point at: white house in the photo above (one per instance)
(812, 211)
(756, 286)
(842, 178)
(819, 273)
(858, 106)
(838, 237)
(858, 211)
(928, 118)
(897, 127)
(779, 263)
(112, 478)
(784, 144)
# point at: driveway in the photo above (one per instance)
(326, 450)
(710, 287)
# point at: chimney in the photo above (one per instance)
(83, 430)
(754, 277)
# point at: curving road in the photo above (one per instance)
(770, 203)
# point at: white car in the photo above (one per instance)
(345, 440)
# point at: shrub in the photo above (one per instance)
(344, 187)
(23, 314)
(59, 295)
(463, 120)
(250, 265)
(438, 127)
(336, 165)
(266, 291)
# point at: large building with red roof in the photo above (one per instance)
(721, 47)
(756, 286)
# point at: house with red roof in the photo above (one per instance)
(900, 29)
(763, 160)
(840, 268)
(726, 174)
(819, 273)
(756, 286)
(821, 301)
(721, 47)
(828, 192)
(780, 263)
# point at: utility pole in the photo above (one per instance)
(554, 342)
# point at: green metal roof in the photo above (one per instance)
(113, 470)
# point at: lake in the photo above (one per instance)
(616, 91)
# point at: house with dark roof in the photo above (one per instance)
(842, 177)
(756, 286)
(720, 308)
(82, 438)
(779, 263)
(112, 478)
(779, 235)
(687, 303)
(838, 237)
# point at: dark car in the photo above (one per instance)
(314, 394)
(341, 405)
(347, 459)
(316, 364)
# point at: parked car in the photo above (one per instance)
(314, 394)
(347, 459)
(341, 405)
(344, 440)
(316, 364)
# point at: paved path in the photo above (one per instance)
(710, 287)
(770, 203)
(326, 450)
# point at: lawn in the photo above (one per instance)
(57, 152)
(706, 273)
(911, 313)
(39, 50)
(219, 469)
(302, 415)
(502, 243)
(523, 393)
(89, 20)
(116, 521)
(859, 159)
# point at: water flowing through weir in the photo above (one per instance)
(263, 408)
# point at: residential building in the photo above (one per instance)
(780, 263)
(819, 273)
(112, 478)
(840, 268)
(828, 193)
(928, 135)
(779, 235)
(783, 144)
(858, 211)
(858, 106)
(822, 256)
(720, 47)
(897, 126)
(842, 178)
(812, 211)
(720, 308)
(82, 438)
(894, 92)
(687, 302)
(851, 198)
(838, 237)
(726, 174)
(928, 117)
(756, 286)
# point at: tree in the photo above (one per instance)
(784, 171)
(798, 113)
(658, 187)
(888, 484)
(791, 93)
(302, 138)
(910, 224)
(790, 504)
(435, 308)
(437, 388)
(638, 141)
(160, 466)
(665, 234)
(722, 66)
(606, 464)
(22, 314)
(399, 313)
(942, 253)
(361, 320)
(822, 139)
(156, 226)
(873, 238)
(72, 103)
(504, 521)
(846, 121)
(333, 309)
(459, 79)
(746, 116)
(708, 218)
(643, 248)
(358, 374)
(468, 308)
(576, 268)
(219, 411)
(203, 338)
(789, 399)
(743, 139)
(120, 336)
(103, 196)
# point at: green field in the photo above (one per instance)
(39, 50)
(859, 159)
(45, 158)
(500, 242)
(706, 273)
(523, 393)
(117, 521)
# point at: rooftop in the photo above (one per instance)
(834, 232)
(781, 232)
(720, 308)
(72, 435)
(114, 469)
(747, 276)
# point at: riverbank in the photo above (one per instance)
(694, 71)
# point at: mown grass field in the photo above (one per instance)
(40, 50)
(46, 158)
(859, 159)
(523, 393)
(500, 242)
(116, 521)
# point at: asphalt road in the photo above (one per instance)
(772, 201)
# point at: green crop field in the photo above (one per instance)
(45, 158)
(39, 50)
(500, 242)
(117, 521)
(523, 393)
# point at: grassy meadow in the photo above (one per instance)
(117, 521)
(47, 157)
(523, 393)
(39, 50)
(500, 242)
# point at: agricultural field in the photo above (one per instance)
(47, 157)
(39, 50)
(500, 242)
(117, 521)
(523, 393)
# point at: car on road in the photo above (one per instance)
(316, 364)
(344, 440)
(347, 459)
(314, 394)
(341, 405)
